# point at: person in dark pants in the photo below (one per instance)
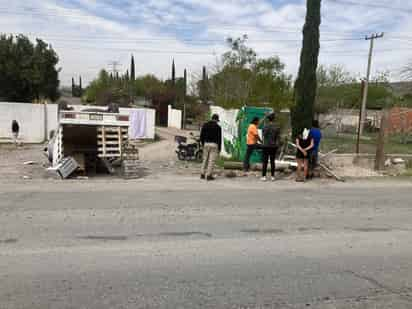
(252, 142)
(316, 135)
(270, 142)
(304, 144)
(211, 140)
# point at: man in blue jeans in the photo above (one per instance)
(316, 134)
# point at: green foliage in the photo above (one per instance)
(306, 83)
(337, 88)
(243, 79)
(28, 71)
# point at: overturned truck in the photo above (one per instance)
(95, 140)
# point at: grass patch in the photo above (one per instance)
(347, 144)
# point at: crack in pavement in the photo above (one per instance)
(388, 289)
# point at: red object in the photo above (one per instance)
(69, 115)
(123, 118)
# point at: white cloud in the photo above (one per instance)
(87, 34)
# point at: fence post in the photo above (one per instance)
(380, 147)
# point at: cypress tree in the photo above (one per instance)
(127, 75)
(73, 88)
(132, 70)
(173, 72)
(80, 87)
(185, 83)
(306, 83)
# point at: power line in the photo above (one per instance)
(184, 25)
(173, 39)
(371, 5)
(215, 53)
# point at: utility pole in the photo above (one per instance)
(360, 119)
(372, 39)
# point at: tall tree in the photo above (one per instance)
(28, 70)
(73, 88)
(132, 70)
(185, 83)
(173, 72)
(306, 83)
(80, 87)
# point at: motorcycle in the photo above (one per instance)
(188, 152)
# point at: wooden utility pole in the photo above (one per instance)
(360, 119)
(380, 147)
(365, 90)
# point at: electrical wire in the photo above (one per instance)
(371, 5)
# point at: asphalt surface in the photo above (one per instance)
(182, 243)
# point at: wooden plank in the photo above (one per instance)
(113, 130)
(120, 139)
(107, 149)
(114, 155)
(115, 136)
(100, 143)
(104, 140)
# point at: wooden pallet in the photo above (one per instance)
(110, 141)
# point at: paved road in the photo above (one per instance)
(179, 243)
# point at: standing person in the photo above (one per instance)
(15, 129)
(304, 143)
(270, 143)
(211, 140)
(252, 142)
(316, 134)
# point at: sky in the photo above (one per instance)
(89, 35)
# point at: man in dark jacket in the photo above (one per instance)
(211, 139)
(271, 135)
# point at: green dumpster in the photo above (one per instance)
(246, 116)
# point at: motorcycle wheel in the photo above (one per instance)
(199, 156)
(181, 156)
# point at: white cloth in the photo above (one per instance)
(137, 128)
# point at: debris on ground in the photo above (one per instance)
(395, 166)
(29, 163)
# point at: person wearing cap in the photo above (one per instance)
(304, 145)
(211, 140)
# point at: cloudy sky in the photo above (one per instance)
(90, 34)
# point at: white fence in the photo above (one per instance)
(32, 118)
(174, 119)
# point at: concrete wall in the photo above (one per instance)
(150, 117)
(31, 118)
(174, 118)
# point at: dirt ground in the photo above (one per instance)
(157, 159)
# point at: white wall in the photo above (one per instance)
(31, 118)
(174, 119)
(150, 117)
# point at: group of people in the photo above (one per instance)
(307, 147)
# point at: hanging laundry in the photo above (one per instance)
(137, 128)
